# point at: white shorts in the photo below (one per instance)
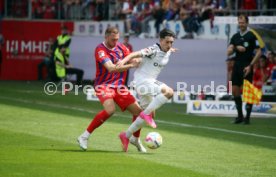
(147, 89)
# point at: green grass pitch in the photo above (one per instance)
(38, 139)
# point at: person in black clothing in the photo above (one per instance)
(243, 44)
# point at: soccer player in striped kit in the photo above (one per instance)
(109, 86)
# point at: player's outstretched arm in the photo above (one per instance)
(115, 68)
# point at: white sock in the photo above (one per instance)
(156, 103)
(85, 134)
(136, 125)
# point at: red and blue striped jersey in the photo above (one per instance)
(102, 55)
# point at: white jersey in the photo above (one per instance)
(153, 61)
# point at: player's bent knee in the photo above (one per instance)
(110, 110)
(168, 92)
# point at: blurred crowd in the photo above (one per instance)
(265, 70)
(136, 13)
(111, 9)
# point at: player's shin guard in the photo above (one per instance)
(98, 120)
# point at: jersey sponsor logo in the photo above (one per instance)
(157, 65)
(101, 53)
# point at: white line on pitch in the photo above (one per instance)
(159, 121)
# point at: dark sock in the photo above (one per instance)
(238, 102)
(248, 110)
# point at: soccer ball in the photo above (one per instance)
(153, 140)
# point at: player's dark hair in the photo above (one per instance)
(244, 16)
(111, 30)
(166, 32)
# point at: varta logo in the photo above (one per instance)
(225, 107)
(197, 106)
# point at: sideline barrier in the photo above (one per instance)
(264, 109)
(212, 108)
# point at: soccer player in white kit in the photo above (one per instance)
(152, 92)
